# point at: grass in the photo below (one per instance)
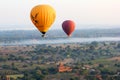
(15, 76)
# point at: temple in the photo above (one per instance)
(63, 68)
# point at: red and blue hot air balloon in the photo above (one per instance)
(68, 26)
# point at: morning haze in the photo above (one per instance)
(83, 12)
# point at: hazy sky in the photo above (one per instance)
(83, 12)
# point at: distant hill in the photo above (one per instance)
(35, 34)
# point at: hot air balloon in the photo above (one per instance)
(68, 26)
(43, 17)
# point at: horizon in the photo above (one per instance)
(80, 27)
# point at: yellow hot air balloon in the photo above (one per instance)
(43, 17)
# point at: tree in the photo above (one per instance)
(5, 66)
(52, 70)
(118, 46)
(101, 65)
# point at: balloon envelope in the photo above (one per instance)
(68, 26)
(43, 17)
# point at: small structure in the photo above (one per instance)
(63, 68)
(7, 78)
(99, 77)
